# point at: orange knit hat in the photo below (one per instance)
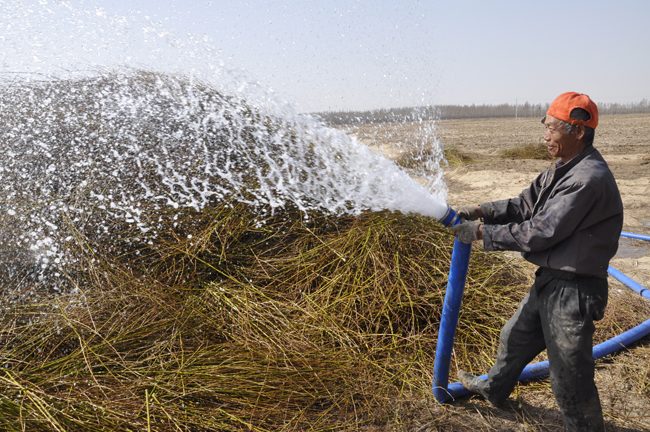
(563, 105)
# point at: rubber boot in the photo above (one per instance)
(476, 385)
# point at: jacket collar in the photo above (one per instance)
(561, 168)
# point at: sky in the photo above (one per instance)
(361, 55)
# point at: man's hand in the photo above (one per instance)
(468, 231)
(469, 212)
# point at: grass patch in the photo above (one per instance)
(417, 159)
(454, 157)
(528, 151)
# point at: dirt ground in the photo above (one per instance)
(624, 142)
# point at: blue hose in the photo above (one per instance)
(635, 236)
(540, 369)
(629, 282)
(444, 392)
(450, 312)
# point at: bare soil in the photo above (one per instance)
(624, 141)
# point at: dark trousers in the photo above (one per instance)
(558, 315)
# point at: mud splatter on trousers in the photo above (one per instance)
(558, 315)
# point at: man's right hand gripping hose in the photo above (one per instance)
(469, 212)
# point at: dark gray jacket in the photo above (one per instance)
(570, 218)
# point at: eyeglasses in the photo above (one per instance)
(552, 128)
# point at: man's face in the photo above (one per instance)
(559, 143)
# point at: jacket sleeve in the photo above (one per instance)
(558, 219)
(515, 209)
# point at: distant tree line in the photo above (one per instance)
(443, 112)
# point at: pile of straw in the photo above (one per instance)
(294, 323)
(288, 323)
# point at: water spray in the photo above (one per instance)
(108, 148)
(135, 138)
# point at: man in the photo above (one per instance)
(568, 223)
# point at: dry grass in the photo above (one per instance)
(455, 157)
(290, 324)
(413, 160)
(528, 151)
(320, 324)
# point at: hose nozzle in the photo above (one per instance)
(450, 218)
